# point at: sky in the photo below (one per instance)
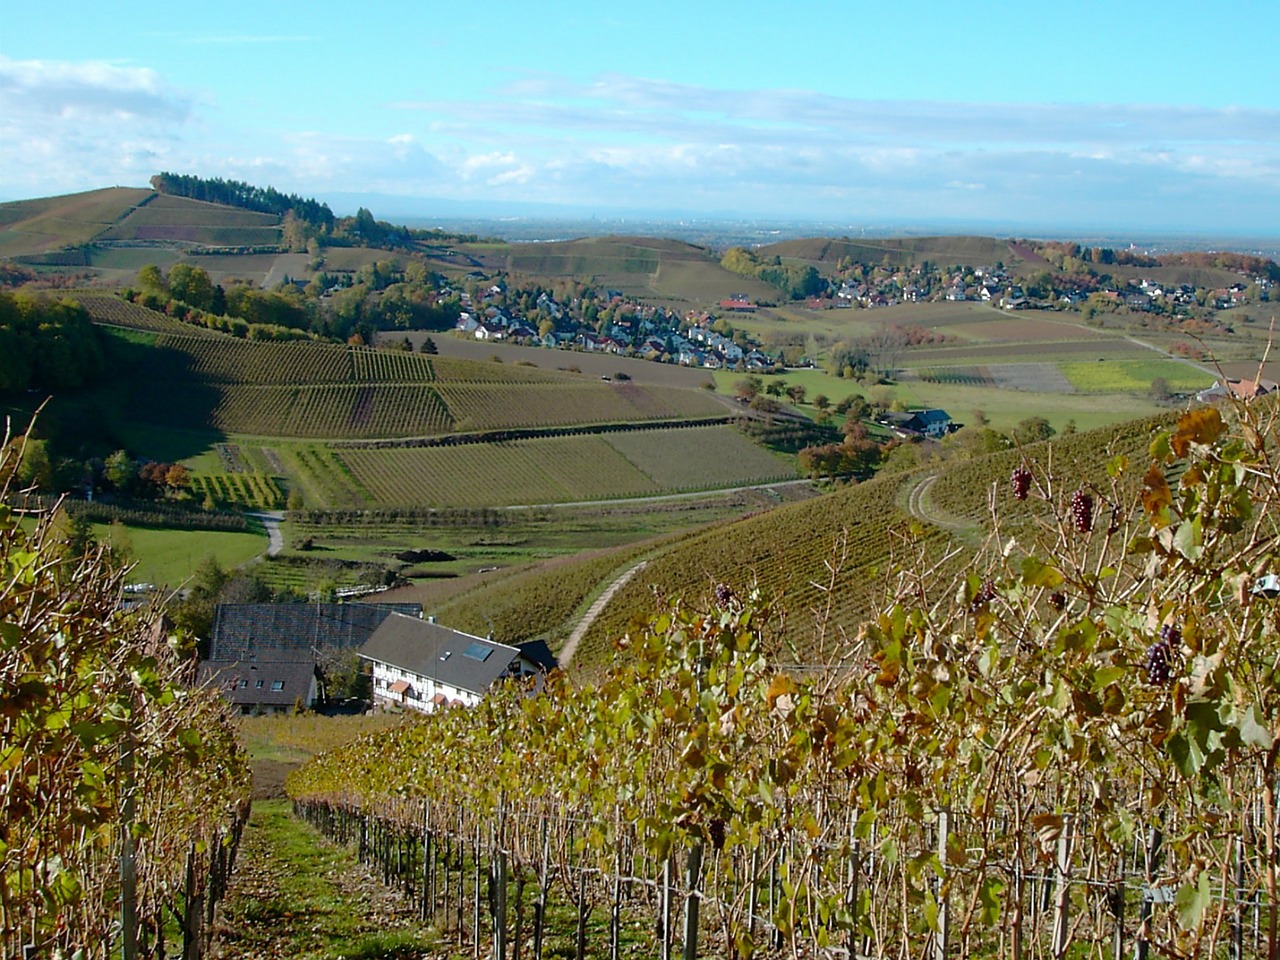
(1087, 116)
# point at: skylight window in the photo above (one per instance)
(478, 651)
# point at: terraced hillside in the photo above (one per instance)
(335, 391)
(33, 227)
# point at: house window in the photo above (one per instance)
(277, 684)
(243, 684)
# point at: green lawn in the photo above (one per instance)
(171, 556)
(1121, 376)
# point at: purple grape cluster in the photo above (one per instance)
(1158, 662)
(716, 832)
(1114, 526)
(1058, 600)
(986, 593)
(724, 593)
(1020, 481)
(1082, 511)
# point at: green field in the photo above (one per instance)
(170, 557)
(1135, 376)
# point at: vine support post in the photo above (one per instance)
(664, 910)
(615, 913)
(1062, 893)
(1154, 840)
(693, 898)
(1236, 950)
(498, 870)
(475, 890)
(1117, 917)
(191, 910)
(580, 947)
(426, 906)
(540, 908)
(938, 949)
(753, 892)
(128, 857)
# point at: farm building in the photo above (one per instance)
(1239, 389)
(271, 656)
(929, 423)
(421, 665)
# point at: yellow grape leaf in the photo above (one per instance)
(1199, 426)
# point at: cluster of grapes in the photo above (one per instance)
(1058, 600)
(986, 593)
(1020, 480)
(716, 832)
(724, 593)
(1158, 661)
(1082, 511)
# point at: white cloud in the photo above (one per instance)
(629, 142)
(72, 125)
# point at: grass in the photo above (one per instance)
(1135, 376)
(171, 556)
(294, 739)
(297, 896)
(1004, 408)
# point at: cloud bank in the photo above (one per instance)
(623, 142)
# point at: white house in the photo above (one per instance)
(421, 665)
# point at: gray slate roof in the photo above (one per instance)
(259, 680)
(288, 631)
(445, 655)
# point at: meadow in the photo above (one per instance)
(170, 557)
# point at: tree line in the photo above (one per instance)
(235, 193)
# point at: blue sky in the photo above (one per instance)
(1089, 115)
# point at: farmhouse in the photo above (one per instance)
(1239, 389)
(271, 656)
(929, 423)
(421, 665)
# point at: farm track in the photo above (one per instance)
(271, 520)
(594, 611)
(918, 505)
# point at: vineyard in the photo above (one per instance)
(966, 490)
(550, 594)
(123, 789)
(554, 403)
(231, 361)
(253, 490)
(118, 312)
(1067, 749)
(559, 469)
(825, 557)
(488, 474)
(700, 458)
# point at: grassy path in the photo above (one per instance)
(295, 895)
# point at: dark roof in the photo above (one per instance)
(448, 656)
(288, 631)
(277, 683)
(538, 653)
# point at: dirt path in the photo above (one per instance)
(920, 507)
(571, 645)
(293, 894)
